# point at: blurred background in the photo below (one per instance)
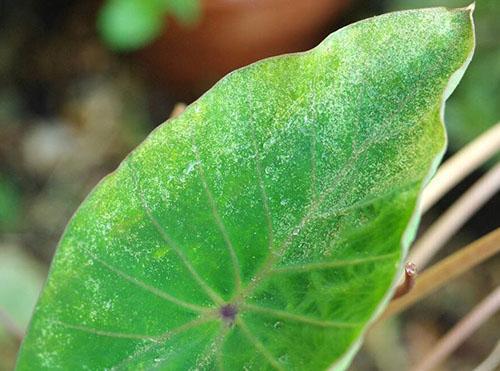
(83, 82)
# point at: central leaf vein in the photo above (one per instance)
(275, 257)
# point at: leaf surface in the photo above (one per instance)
(266, 226)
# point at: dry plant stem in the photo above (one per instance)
(409, 282)
(178, 109)
(461, 331)
(491, 362)
(460, 165)
(446, 270)
(10, 326)
(454, 218)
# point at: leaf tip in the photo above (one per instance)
(469, 11)
(471, 7)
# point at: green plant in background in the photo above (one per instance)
(22, 279)
(131, 24)
(474, 107)
(267, 225)
(9, 205)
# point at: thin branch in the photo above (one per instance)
(491, 362)
(460, 165)
(405, 287)
(455, 217)
(446, 270)
(10, 325)
(178, 109)
(461, 331)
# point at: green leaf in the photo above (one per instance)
(130, 24)
(266, 226)
(186, 11)
(9, 205)
(474, 107)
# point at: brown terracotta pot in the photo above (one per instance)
(232, 34)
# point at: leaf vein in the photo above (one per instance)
(145, 286)
(162, 339)
(262, 186)
(298, 317)
(258, 345)
(175, 247)
(94, 331)
(367, 201)
(328, 265)
(309, 214)
(218, 220)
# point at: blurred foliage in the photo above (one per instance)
(9, 205)
(131, 24)
(186, 11)
(474, 106)
(22, 278)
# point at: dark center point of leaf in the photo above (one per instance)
(228, 312)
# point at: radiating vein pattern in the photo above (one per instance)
(170, 242)
(312, 209)
(263, 227)
(147, 287)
